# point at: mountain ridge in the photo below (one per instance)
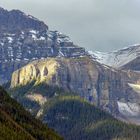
(15, 20)
(118, 58)
(24, 39)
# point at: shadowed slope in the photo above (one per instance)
(16, 123)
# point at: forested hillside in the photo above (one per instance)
(76, 119)
(18, 124)
(72, 116)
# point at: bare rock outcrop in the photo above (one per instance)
(103, 86)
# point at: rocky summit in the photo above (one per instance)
(24, 38)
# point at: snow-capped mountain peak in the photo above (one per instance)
(117, 58)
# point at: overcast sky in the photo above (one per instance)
(101, 25)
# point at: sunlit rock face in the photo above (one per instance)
(103, 86)
(24, 38)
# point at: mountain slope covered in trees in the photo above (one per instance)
(73, 117)
(18, 124)
(76, 119)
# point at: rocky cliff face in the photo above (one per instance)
(105, 87)
(24, 38)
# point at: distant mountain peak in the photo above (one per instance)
(17, 20)
(130, 47)
(2, 9)
(16, 11)
(117, 58)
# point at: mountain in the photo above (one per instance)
(44, 66)
(120, 58)
(109, 89)
(18, 124)
(15, 21)
(24, 38)
(72, 116)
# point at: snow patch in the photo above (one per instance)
(2, 44)
(33, 31)
(34, 37)
(42, 38)
(10, 39)
(128, 109)
(135, 87)
(60, 54)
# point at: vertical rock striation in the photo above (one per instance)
(101, 85)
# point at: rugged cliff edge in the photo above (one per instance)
(110, 89)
